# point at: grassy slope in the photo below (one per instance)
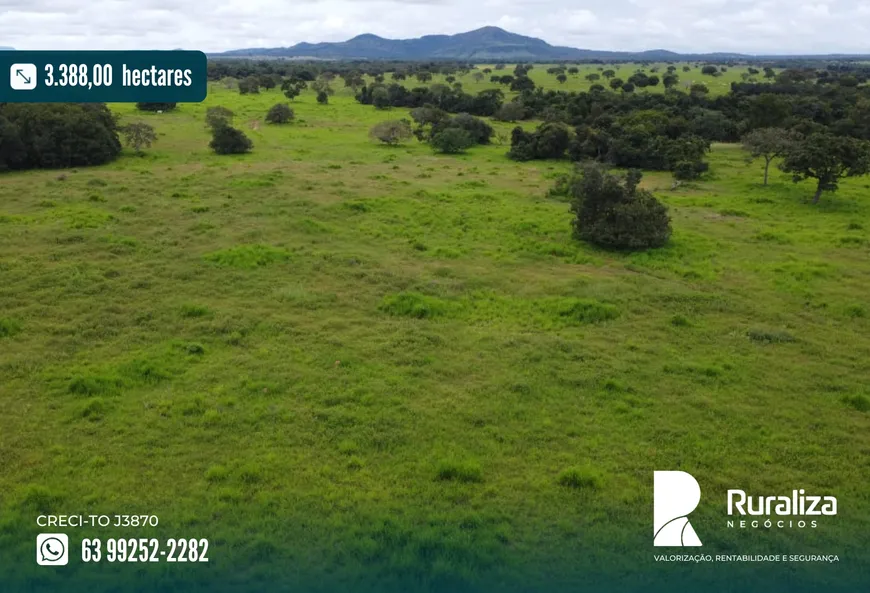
(283, 352)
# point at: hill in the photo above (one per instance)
(487, 43)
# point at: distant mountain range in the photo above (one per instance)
(486, 44)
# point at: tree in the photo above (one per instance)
(249, 86)
(57, 135)
(510, 112)
(216, 115)
(139, 135)
(616, 83)
(391, 132)
(709, 70)
(616, 214)
(380, 98)
(323, 97)
(267, 81)
(769, 143)
(12, 149)
(426, 118)
(478, 76)
(452, 141)
(423, 76)
(670, 80)
(628, 88)
(522, 83)
(549, 141)
(562, 78)
(592, 77)
(827, 158)
(293, 87)
(698, 90)
(574, 70)
(478, 130)
(228, 140)
(608, 74)
(280, 113)
(321, 85)
(155, 106)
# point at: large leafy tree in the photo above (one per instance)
(827, 159)
(769, 143)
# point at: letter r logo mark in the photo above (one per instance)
(675, 495)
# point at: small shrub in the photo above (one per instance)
(251, 474)
(458, 471)
(94, 385)
(589, 311)
(216, 473)
(8, 327)
(248, 256)
(410, 304)
(769, 337)
(579, 478)
(680, 321)
(858, 401)
(94, 409)
(229, 140)
(195, 349)
(323, 97)
(451, 141)
(391, 132)
(280, 113)
(191, 310)
(216, 116)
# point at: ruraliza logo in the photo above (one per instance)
(675, 495)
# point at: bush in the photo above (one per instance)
(451, 141)
(579, 477)
(549, 141)
(139, 135)
(156, 106)
(391, 132)
(380, 98)
(218, 115)
(615, 214)
(510, 112)
(478, 130)
(280, 114)
(54, 135)
(459, 471)
(323, 97)
(228, 140)
(249, 85)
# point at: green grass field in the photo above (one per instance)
(348, 364)
(719, 85)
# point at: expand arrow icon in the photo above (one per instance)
(21, 74)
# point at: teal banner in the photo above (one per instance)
(102, 76)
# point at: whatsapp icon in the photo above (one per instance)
(52, 549)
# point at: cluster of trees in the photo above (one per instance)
(381, 96)
(271, 72)
(54, 135)
(445, 133)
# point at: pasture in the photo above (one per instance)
(357, 367)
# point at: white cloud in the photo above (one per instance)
(769, 26)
